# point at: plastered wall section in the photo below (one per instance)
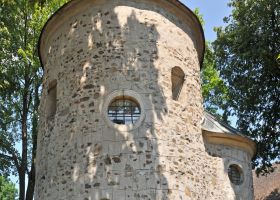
(131, 47)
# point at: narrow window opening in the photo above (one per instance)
(177, 79)
(51, 99)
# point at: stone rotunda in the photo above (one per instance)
(121, 113)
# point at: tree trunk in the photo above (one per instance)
(31, 175)
(23, 166)
(31, 182)
(21, 185)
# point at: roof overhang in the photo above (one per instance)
(74, 7)
(218, 132)
(235, 141)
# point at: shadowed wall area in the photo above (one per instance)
(111, 49)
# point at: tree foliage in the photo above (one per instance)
(21, 22)
(8, 190)
(214, 89)
(247, 54)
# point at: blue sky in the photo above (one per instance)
(213, 12)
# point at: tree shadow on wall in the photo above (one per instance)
(274, 195)
(108, 163)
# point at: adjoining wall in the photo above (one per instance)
(110, 49)
(226, 156)
(232, 153)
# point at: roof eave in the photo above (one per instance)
(235, 141)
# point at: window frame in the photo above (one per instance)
(124, 103)
(232, 169)
(128, 94)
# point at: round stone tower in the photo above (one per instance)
(121, 107)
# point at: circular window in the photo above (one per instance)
(124, 110)
(235, 174)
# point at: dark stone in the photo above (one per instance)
(84, 99)
(98, 44)
(74, 95)
(72, 120)
(141, 144)
(107, 161)
(113, 183)
(96, 95)
(149, 162)
(176, 163)
(96, 185)
(90, 86)
(87, 186)
(116, 159)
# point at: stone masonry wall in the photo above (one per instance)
(226, 156)
(116, 47)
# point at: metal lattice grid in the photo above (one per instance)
(124, 110)
(235, 174)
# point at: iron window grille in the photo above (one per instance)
(235, 174)
(124, 110)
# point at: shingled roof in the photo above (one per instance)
(213, 124)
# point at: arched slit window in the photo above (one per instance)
(177, 79)
(51, 99)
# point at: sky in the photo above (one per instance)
(213, 12)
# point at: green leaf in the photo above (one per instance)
(8, 190)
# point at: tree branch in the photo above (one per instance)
(11, 157)
(5, 156)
